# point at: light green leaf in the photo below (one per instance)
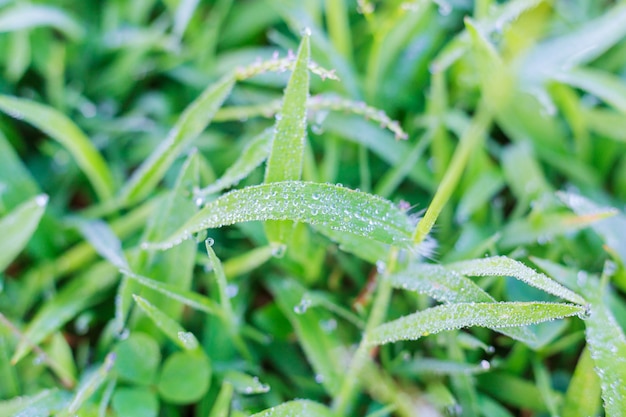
(583, 394)
(80, 293)
(171, 328)
(43, 403)
(189, 298)
(137, 359)
(332, 206)
(90, 385)
(136, 402)
(501, 266)
(287, 153)
(17, 227)
(245, 384)
(26, 16)
(300, 408)
(450, 286)
(456, 316)
(221, 405)
(190, 124)
(185, 377)
(63, 130)
(251, 157)
(101, 237)
(601, 84)
(183, 15)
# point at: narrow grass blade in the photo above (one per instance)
(601, 84)
(104, 241)
(18, 182)
(221, 405)
(43, 403)
(183, 14)
(171, 328)
(251, 157)
(449, 286)
(321, 347)
(89, 386)
(63, 130)
(245, 384)
(583, 394)
(190, 124)
(300, 408)
(332, 206)
(189, 298)
(456, 316)
(27, 16)
(502, 266)
(17, 227)
(79, 294)
(286, 157)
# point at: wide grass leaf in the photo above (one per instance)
(76, 296)
(583, 394)
(300, 408)
(502, 266)
(332, 206)
(286, 157)
(601, 84)
(190, 124)
(456, 316)
(63, 130)
(18, 226)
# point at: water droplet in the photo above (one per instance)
(232, 290)
(188, 339)
(319, 378)
(306, 31)
(209, 241)
(381, 266)
(303, 306)
(328, 325)
(278, 117)
(278, 250)
(41, 200)
(199, 201)
(485, 364)
(123, 334)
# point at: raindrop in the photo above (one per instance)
(303, 306)
(232, 290)
(381, 267)
(485, 364)
(209, 241)
(319, 378)
(188, 339)
(123, 334)
(315, 196)
(41, 200)
(306, 31)
(328, 325)
(278, 250)
(199, 201)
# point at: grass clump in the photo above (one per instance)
(195, 226)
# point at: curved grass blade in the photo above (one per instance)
(17, 227)
(190, 124)
(286, 157)
(171, 328)
(103, 240)
(456, 316)
(244, 383)
(327, 205)
(63, 130)
(451, 287)
(583, 393)
(251, 157)
(89, 386)
(601, 84)
(79, 294)
(300, 408)
(26, 16)
(506, 267)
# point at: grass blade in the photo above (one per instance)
(104, 241)
(251, 157)
(300, 408)
(79, 294)
(287, 153)
(27, 16)
(17, 227)
(601, 84)
(63, 130)
(583, 394)
(502, 266)
(190, 124)
(171, 328)
(333, 206)
(456, 316)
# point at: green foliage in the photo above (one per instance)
(197, 221)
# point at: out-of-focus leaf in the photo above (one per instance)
(79, 294)
(185, 377)
(135, 401)
(90, 385)
(601, 84)
(300, 408)
(245, 384)
(137, 359)
(332, 206)
(583, 394)
(456, 316)
(63, 130)
(103, 240)
(18, 226)
(43, 403)
(26, 16)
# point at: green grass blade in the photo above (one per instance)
(173, 330)
(333, 206)
(79, 294)
(286, 157)
(27, 16)
(601, 84)
(300, 408)
(251, 157)
(190, 124)
(189, 298)
(449, 286)
(104, 241)
(63, 130)
(18, 182)
(17, 227)
(89, 386)
(456, 316)
(583, 394)
(502, 266)
(245, 384)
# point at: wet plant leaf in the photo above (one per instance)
(300, 408)
(27, 16)
(245, 384)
